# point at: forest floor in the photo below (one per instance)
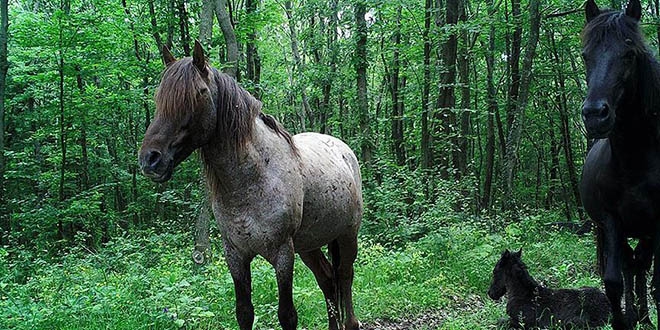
(437, 281)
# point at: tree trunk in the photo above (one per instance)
(492, 110)
(154, 24)
(361, 64)
(84, 171)
(427, 155)
(183, 26)
(231, 67)
(514, 63)
(513, 140)
(62, 138)
(298, 64)
(206, 22)
(446, 100)
(461, 151)
(4, 67)
(252, 55)
(397, 102)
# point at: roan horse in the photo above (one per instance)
(531, 305)
(620, 185)
(272, 194)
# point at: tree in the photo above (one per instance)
(4, 67)
(361, 63)
(518, 116)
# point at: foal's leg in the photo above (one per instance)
(347, 247)
(613, 242)
(282, 261)
(322, 269)
(239, 267)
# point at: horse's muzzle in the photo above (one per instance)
(155, 167)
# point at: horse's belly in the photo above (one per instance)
(332, 204)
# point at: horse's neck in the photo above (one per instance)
(230, 169)
(635, 136)
(521, 285)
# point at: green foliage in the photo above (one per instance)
(150, 282)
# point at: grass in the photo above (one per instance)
(151, 283)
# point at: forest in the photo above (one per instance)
(464, 115)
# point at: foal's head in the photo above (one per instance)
(185, 115)
(509, 267)
(613, 48)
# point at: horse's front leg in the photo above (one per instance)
(629, 285)
(643, 258)
(282, 261)
(613, 242)
(239, 267)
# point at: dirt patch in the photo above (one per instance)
(429, 320)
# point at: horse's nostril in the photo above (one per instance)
(153, 159)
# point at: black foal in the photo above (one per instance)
(531, 305)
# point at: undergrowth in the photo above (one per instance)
(149, 282)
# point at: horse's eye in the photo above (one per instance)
(629, 41)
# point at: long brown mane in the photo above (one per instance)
(235, 107)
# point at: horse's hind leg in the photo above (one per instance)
(282, 261)
(347, 253)
(322, 269)
(239, 267)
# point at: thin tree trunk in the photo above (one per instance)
(4, 67)
(84, 171)
(63, 161)
(183, 26)
(231, 67)
(446, 99)
(514, 63)
(427, 155)
(298, 63)
(492, 110)
(154, 24)
(397, 102)
(461, 152)
(513, 140)
(252, 54)
(361, 64)
(560, 82)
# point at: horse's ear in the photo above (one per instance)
(634, 9)
(591, 10)
(168, 58)
(198, 57)
(519, 253)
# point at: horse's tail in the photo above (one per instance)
(333, 249)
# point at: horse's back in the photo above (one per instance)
(332, 204)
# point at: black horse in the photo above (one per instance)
(531, 305)
(620, 186)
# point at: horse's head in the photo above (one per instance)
(185, 116)
(501, 272)
(612, 46)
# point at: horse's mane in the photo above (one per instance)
(521, 273)
(616, 26)
(236, 108)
